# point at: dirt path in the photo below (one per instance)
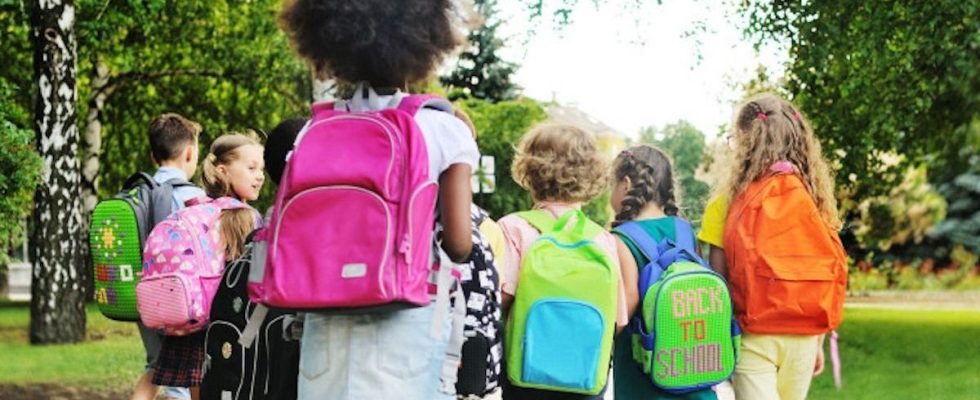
(48, 391)
(921, 300)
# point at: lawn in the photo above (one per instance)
(906, 354)
(112, 357)
(887, 354)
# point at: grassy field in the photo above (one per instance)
(111, 358)
(888, 354)
(906, 354)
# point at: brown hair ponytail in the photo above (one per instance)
(652, 179)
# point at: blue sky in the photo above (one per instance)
(632, 67)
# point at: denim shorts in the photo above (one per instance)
(388, 355)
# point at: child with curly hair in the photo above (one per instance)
(382, 46)
(562, 168)
(785, 262)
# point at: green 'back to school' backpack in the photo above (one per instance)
(684, 335)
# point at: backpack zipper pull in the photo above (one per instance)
(406, 249)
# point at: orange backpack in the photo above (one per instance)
(788, 269)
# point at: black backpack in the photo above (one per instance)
(479, 371)
(266, 370)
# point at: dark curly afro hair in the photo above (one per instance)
(387, 43)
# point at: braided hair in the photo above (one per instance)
(652, 180)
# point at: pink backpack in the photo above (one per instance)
(354, 215)
(182, 268)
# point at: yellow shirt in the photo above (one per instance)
(498, 243)
(713, 221)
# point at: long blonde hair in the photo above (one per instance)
(768, 129)
(235, 224)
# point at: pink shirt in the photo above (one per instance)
(520, 235)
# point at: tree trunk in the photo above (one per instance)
(57, 295)
(100, 89)
(92, 138)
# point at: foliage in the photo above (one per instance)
(224, 64)
(962, 224)
(20, 172)
(861, 282)
(904, 214)
(480, 72)
(881, 77)
(561, 11)
(598, 209)
(499, 127)
(685, 145)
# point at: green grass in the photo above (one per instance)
(887, 354)
(111, 356)
(906, 354)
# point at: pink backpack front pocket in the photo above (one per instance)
(350, 248)
(164, 301)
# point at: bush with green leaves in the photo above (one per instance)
(962, 223)
(500, 126)
(904, 215)
(20, 172)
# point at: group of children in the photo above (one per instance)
(383, 46)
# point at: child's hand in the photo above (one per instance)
(818, 368)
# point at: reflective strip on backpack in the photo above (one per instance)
(253, 326)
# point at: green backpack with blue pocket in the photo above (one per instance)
(561, 326)
(684, 335)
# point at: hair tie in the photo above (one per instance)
(796, 115)
(627, 154)
(761, 116)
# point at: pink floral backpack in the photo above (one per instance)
(182, 266)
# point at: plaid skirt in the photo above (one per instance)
(181, 361)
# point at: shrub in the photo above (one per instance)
(20, 172)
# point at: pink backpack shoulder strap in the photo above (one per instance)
(228, 203)
(413, 103)
(323, 109)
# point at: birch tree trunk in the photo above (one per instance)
(57, 295)
(92, 136)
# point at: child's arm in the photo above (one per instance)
(818, 367)
(629, 273)
(454, 211)
(716, 257)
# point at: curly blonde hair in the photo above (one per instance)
(769, 129)
(558, 162)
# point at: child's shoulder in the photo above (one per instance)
(513, 220)
(443, 121)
